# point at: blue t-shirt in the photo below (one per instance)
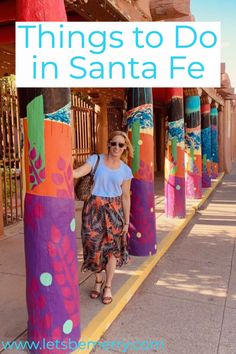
(107, 181)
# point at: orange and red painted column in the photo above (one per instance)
(49, 220)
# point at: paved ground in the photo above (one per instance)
(177, 292)
(189, 300)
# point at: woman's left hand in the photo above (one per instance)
(125, 229)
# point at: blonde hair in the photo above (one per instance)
(129, 151)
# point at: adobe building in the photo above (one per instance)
(182, 138)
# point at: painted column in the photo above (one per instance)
(142, 230)
(1, 209)
(49, 217)
(193, 154)
(214, 140)
(174, 156)
(227, 136)
(206, 141)
(221, 138)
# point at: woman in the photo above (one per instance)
(105, 216)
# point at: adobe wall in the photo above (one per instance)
(169, 9)
(233, 129)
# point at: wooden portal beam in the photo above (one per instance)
(214, 95)
(7, 34)
(7, 11)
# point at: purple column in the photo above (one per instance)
(174, 156)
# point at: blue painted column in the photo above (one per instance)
(206, 141)
(214, 140)
(142, 230)
(193, 155)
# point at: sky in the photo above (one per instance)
(225, 12)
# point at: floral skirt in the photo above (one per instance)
(102, 225)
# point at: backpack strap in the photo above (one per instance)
(96, 166)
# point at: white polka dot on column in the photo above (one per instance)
(67, 327)
(138, 234)
(178, 187)
(140, 142)
(72, 225)
(46, 279)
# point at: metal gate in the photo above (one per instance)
(84, 122)
(10, 151)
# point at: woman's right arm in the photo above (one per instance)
(82, 170)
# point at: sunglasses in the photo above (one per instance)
(114, 143)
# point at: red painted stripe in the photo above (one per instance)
(205, 108)
(159, 94)
(174, 92)
(43, 10)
